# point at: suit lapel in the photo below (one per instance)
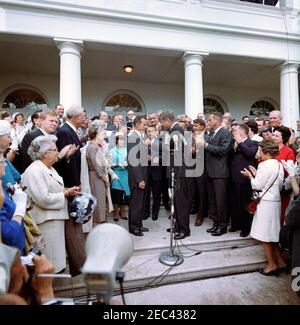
(74, 135)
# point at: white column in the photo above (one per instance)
(193, 83)
(289, 94)
(70, 72)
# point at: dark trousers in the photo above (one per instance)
(198, 195)
(296, 248)
(164, 186)
(75, 242)
(182, 206)
(154, 187)
(217, 189)
(240, 195)
(136, 208)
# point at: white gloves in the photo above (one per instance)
(290, 167)
(20, 199)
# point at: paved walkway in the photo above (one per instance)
(243, 289)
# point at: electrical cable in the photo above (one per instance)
(120, 278)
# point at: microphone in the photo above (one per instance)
(175, 140)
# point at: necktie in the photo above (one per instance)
(211, 135)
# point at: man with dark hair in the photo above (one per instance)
(137, 176)
(245, 119)
(154, 173)
(181, 194)
(217, 145)
(253, 129)
(243, 155)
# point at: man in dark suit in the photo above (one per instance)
(48, 125)
(217, 145)
(181, 195)
(154, 173)
(137, 176)
(69, 169)
(275, 119)
(243, 155)
(59, 109)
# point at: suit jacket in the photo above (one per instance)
(177, 151)
(70, 169)
(216, 154)
(155, 169)
(242, 157)
(137, 155)
(26, 142)
(45, 189)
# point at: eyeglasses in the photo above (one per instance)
(55, 150)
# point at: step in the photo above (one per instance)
(157, 239)
(148, 248)
(140, 271)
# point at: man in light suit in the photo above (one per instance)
(137, 176)
(69, 169)
(217, 145)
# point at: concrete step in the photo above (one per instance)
(144, 271)
(218, 256)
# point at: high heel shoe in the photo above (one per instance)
(285, 269)
(270, 273)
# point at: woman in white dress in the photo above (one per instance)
(268, 179)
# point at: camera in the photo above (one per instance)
(11, 188)
(28, 259)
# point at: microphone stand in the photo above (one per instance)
(171, 258)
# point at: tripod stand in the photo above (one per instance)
(171, 258)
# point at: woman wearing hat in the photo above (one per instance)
(48, 197)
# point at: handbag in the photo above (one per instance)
(251, 206)
(33, 235)
(124, 197)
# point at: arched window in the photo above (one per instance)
(261, 108)
(211, 105)
(24, 98)
(123, 102)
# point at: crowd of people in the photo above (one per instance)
(123, 161)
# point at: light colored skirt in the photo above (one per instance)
(266, 222)
(53, 232)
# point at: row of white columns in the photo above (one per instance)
(70, 82)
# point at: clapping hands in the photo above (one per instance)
(290, 166)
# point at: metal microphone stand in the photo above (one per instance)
(171, 258)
